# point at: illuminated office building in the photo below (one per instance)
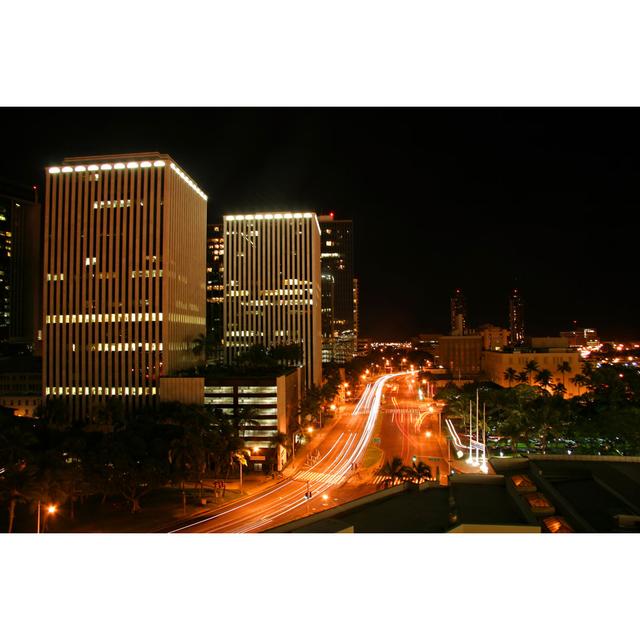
(458, 314)
(215, 287)
(272, 285)
(339, 290)
(124, 292)
(20, 268)
(516, 318)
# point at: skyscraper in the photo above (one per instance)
(339, 298)
(215, 286)
(124, 286)
(516, 318)
(20, 266)
(272, 285)
(458, 314)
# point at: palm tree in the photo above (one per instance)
(580, 380)
(564, 367)
(421, 471)
(510, 375)
(522, 376)
(543, 378)
(531, 367)
(395, 470)
(560, 389)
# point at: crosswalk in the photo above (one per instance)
(317, 476)
(406, 410)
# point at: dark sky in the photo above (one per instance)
(481, 199)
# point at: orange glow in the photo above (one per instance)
(52, 508)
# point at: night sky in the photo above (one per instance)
(482, 199)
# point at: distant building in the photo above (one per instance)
(215, 288)
(339, 290)
(272, 285)
(460, 354)
(493, 338)
(124, 292)
(516, 318)
(581, 337)
(20, 266)
(548, 353)
(458, 314)
(21, 384)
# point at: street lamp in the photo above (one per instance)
(50, 510)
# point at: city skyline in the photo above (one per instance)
(507, 191)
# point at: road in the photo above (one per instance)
(342, 446)
(409, 428)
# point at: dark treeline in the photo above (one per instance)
(53, 461)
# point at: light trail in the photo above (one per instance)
(339, 460)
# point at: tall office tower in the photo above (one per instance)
(356, 308)
(272, 285)
(124, 286)
(516, 318)
(20, 267)
(339, 331)
(458, 314)
(215, 287)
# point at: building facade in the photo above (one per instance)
(495, 363)
(458, 314)
(460, 354)
(20, 266)
(493, 338)
(516, 318)
(272, 285)
(215, 289)
(124, 292)
(339, 290)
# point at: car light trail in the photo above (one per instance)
(290, 495)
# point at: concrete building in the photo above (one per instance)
(124, 286)
(21, 384)
(548, 353)
(580, 337)
(272, 287)
(262, 403)
(461, 355)
(516, 318)
(493, 338)
(458, 314)
(339, 290)
(538, 494)
(215, 289)
(20, 266)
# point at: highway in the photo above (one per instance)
(342, 447)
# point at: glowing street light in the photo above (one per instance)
(50, 510)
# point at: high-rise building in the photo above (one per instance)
(20, 266)
(272, 290)
(516, 318)
(339, 290)
(124, 292)
(458, 314)
(215, 287)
